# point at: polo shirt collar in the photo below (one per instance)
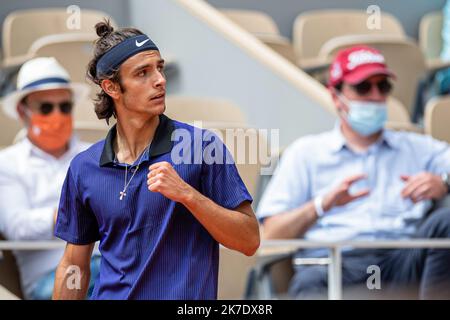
(162, 141)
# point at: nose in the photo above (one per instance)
(375, 94)
(161, 80)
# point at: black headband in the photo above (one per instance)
(121, 52)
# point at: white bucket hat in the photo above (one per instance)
(41, 74)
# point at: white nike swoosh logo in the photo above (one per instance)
(140, 44)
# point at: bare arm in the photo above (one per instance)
(293, 224)
(73, 273)
(235, 229)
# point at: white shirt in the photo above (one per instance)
(316, 164)
(30, 186)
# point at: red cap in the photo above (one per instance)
(356, 64)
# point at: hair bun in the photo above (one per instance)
(103, 28)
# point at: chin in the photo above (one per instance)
(159, 109)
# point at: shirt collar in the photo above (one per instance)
(162, 141)
(390, 139)
(338, 142)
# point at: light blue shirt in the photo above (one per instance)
(314, 165)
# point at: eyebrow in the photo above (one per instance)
(144, 66)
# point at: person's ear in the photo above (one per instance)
(335, 96)
(22, 113)
(341, 108)
(111, 88)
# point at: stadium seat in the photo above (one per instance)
(9, 129)
(312, 29)
(85, 112)
(397, 111)
(437, 115)
(189, 109)
(91, 132)
(398, 117)
(255, 22)
(23, 27)
(263, 27)
(72, 50)
(430, 39)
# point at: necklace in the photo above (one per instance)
(123, 193)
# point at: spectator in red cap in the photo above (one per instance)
(353, 75)
(361, 181)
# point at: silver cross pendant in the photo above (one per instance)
(122, 194)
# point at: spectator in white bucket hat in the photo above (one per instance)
(32, 171)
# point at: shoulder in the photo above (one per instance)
(12, 152)
(88, 154)
(12, 155)
(182, 125)
(405, 135)
(412, 140)
(83, 145)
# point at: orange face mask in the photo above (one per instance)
(50, 132)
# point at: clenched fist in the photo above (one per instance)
(164, 179)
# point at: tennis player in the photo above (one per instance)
(159, 220)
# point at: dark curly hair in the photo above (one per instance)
(104, 104)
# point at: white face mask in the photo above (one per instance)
(365, 117)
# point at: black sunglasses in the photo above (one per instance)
(363, 88)
(46, 108)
